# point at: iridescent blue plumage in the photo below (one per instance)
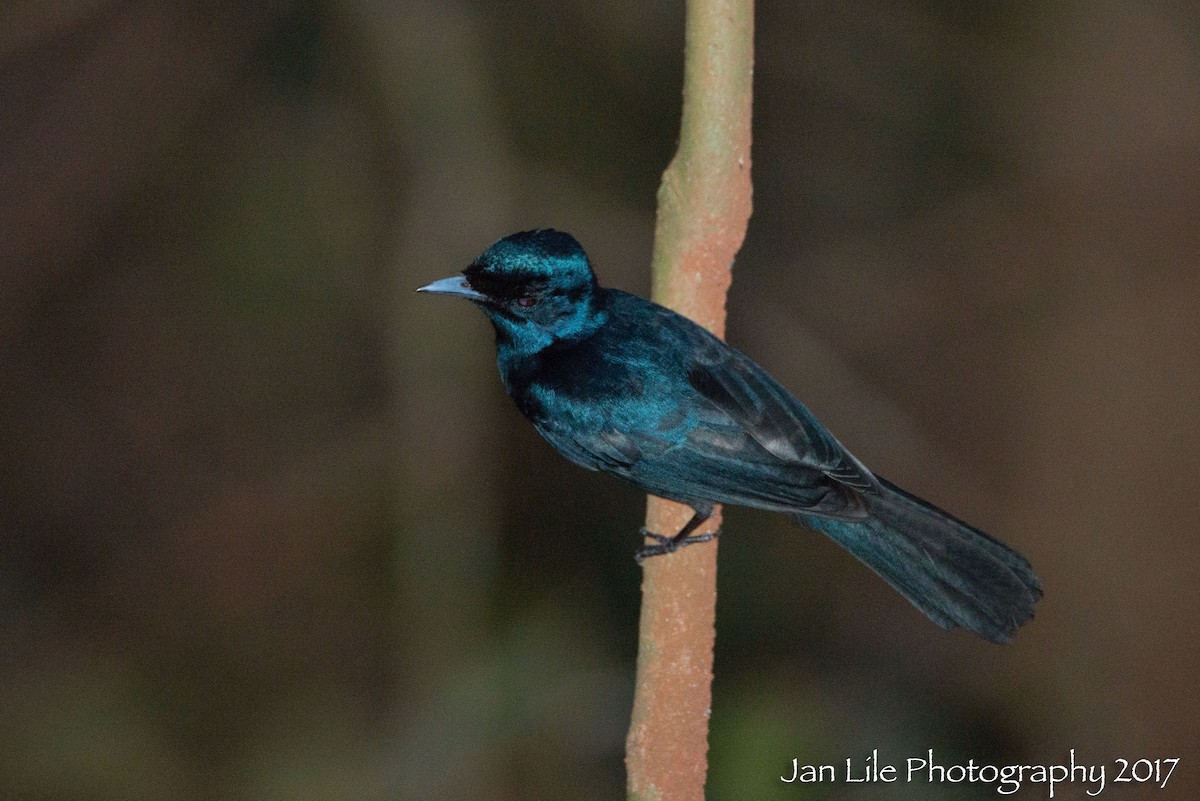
(620, 384)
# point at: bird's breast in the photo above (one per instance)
(586, 395)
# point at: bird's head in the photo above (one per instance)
(536, 286)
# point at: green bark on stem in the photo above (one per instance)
(703, 210)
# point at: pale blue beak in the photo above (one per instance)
(454, 285)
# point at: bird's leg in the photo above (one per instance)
(671, 544)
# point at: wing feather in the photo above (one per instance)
(772, 417)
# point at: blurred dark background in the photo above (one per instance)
(269, 528)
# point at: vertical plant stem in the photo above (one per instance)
(703, 210)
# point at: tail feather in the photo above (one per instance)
(954, 573)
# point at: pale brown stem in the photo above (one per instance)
(703, 209)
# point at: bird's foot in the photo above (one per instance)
(664, 544)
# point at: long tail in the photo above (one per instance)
(954, 573)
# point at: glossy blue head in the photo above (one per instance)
(536, 286)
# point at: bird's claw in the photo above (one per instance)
(665, 544)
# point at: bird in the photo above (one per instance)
(622, 385)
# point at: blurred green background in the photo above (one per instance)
(269, 528)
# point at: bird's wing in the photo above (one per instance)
(711, 427)
(606, 449)
(716, 454)
(769, 414)
(714, 461)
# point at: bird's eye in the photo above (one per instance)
(525, 301)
